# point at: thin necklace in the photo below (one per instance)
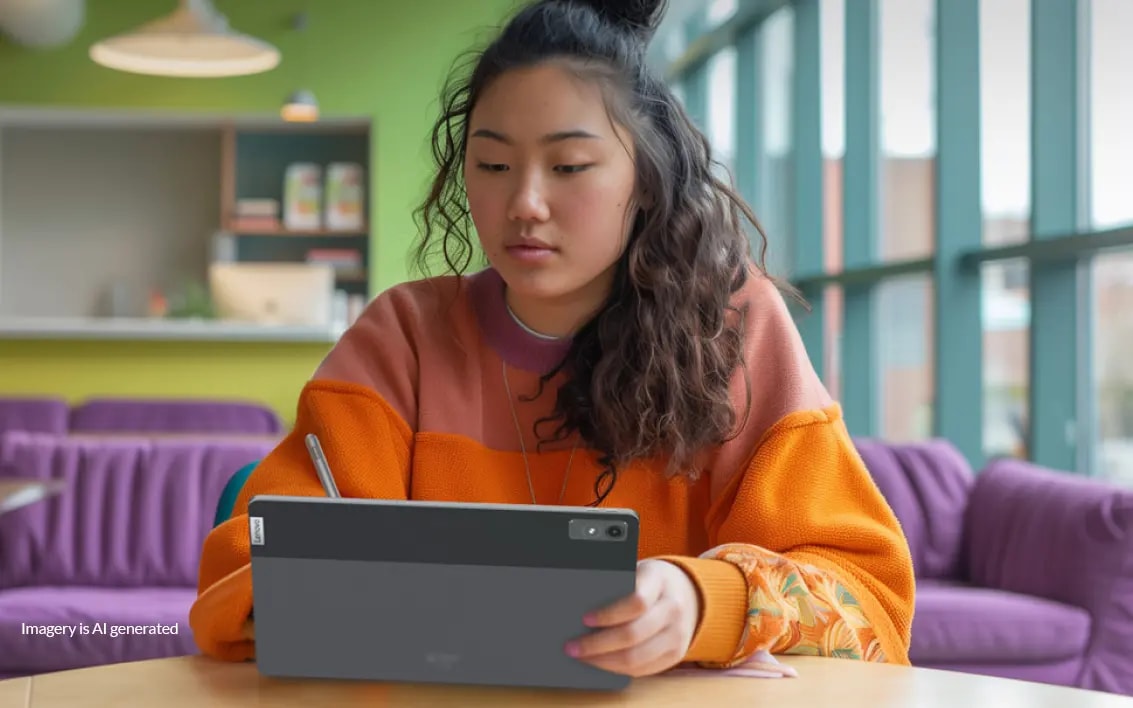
(523, 445)
(527, 329)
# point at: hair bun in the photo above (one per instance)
(641, 17)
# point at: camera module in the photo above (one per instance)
(599, 530)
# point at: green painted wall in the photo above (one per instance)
(385, 59)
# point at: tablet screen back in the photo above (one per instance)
(434, 593)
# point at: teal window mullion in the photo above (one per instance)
(806, 149)
(861, 220)
(1057, 175)
(959, 228)
(749, 120)
(695, 86)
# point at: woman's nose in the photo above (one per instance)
(527, 201)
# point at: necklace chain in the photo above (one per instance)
(523, 445)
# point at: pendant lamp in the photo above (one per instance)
(301, 105)
(192, 41)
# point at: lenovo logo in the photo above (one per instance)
(257, 523)
(441, 659)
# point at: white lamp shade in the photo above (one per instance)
(193, 41)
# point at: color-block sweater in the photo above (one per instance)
(784, 534)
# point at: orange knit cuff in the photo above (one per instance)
(219, 617)
(723, 608)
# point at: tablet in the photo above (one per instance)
(434, 592)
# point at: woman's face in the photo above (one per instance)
(550, 182)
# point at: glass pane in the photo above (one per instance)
(1113, 365)
(679, 92)
(1111, 113)
(720, 11)
(1005, 119)
(908, 129)
(774, 204)
(1006, 358)
(722, 108)
(832, 21)
(904, 344)
(832, 338)
(832, 26)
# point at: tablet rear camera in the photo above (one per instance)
(598, 530)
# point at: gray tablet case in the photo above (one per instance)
(425, 592)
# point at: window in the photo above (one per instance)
(776, 200)
(1006, 320)
(1113, 365)
(1111, 153)
(1005, 160)
(1005, 119)
(1111, 114)
(720, 11)
(722, 109)
(904, 344)
(908, 129)
(832, 20)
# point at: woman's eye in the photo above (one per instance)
(571, 169)
(490, 167)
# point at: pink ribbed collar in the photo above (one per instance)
(517, 346)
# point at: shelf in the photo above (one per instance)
(280, 231)
(352, 278)
(125, 328)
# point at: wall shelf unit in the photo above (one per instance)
(254, 162)
(130, 207)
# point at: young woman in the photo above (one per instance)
(620, 348)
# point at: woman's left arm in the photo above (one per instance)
(823, 566)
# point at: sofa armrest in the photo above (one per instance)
(1051, 534)
(1065, 538)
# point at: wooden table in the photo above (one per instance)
(16, 493)
(197, 681)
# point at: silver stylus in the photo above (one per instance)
(321, 467)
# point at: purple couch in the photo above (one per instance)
(120, 546)
(1022, 572)
(40, 414)
(132, 415)
(138, 415)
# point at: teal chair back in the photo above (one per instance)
(230, 492)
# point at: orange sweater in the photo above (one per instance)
(785, 535)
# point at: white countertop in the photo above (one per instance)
(124, 328)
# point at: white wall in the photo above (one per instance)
(81, 209)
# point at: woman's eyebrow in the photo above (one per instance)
(555, 137)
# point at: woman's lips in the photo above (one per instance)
(531, 253)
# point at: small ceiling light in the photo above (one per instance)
(193, 41)
(301, 107)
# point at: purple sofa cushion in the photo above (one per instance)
(21, 651)
(39, 415)
(927, 485)
(174, 416)
(1066, 538)
(134, 512)
(955, 624)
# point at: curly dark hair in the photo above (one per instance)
(650, 374)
